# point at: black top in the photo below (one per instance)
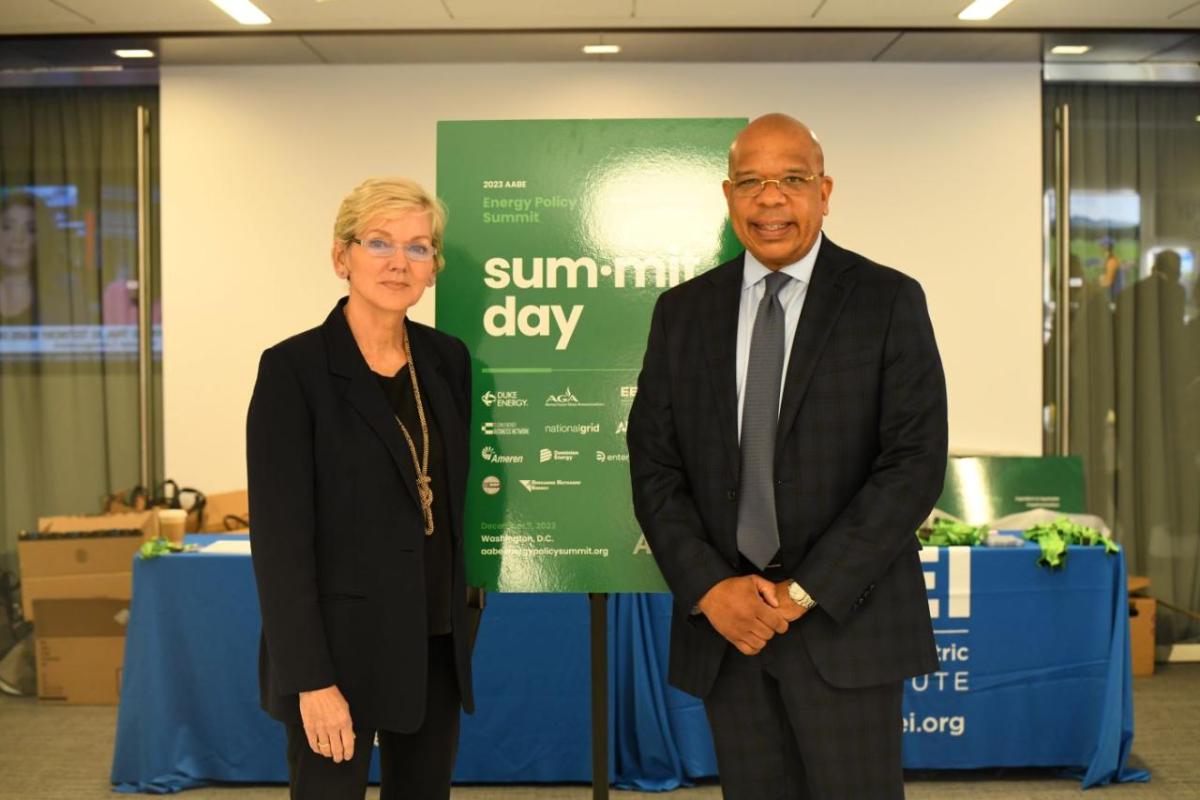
(438, 547)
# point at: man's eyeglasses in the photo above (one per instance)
(382, 248)
(791, 185)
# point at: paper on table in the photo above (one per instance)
(1025, 520)
(229, 547)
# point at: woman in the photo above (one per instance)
(357, 441)
(18, 239)
(38, 284)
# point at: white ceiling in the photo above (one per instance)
(40, 35)
(194, 16)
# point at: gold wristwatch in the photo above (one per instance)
(799, 596)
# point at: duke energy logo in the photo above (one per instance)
(503, 399)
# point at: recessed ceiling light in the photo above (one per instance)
(601, 49)
(243, 11)
(1069, 49)
(49, 70)
(134, 53)
(982, 9)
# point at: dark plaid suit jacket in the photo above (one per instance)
(860, 460)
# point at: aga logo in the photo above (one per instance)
(948, 581)
(567, 399)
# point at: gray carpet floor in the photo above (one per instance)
(50, 752)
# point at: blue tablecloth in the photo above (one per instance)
(1035, 673)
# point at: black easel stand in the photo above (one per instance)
(599, 608)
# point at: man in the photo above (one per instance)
(787, 439)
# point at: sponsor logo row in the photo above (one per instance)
(494, 428)
(564, 399)
(547, 455)
(492, 484)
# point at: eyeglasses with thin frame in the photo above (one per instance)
(790, 185)
(382, 248)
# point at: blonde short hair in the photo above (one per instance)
(389, 197)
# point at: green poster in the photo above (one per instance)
(981, 489)
(562, 233)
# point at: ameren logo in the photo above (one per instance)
(582, 428)
(503, 429)
(546, 454)
(622, 427)
(567, 399)
(503, 399)
(609, 458)
(545, 486)
(489, 454)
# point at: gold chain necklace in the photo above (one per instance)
(421, 465)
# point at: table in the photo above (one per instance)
(1035, 673)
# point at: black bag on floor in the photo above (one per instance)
(17, 670)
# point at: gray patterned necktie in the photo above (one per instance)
(757, 528)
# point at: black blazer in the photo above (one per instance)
(337, 533)
(860, 461)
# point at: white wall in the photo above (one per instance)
(937, 171)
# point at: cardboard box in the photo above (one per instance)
(85, 556)
(219, 510)
(1142, 612)
(80, 647)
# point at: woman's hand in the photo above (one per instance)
(326, 717)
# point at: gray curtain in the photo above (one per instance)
(68, 420)
(1135, 326)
